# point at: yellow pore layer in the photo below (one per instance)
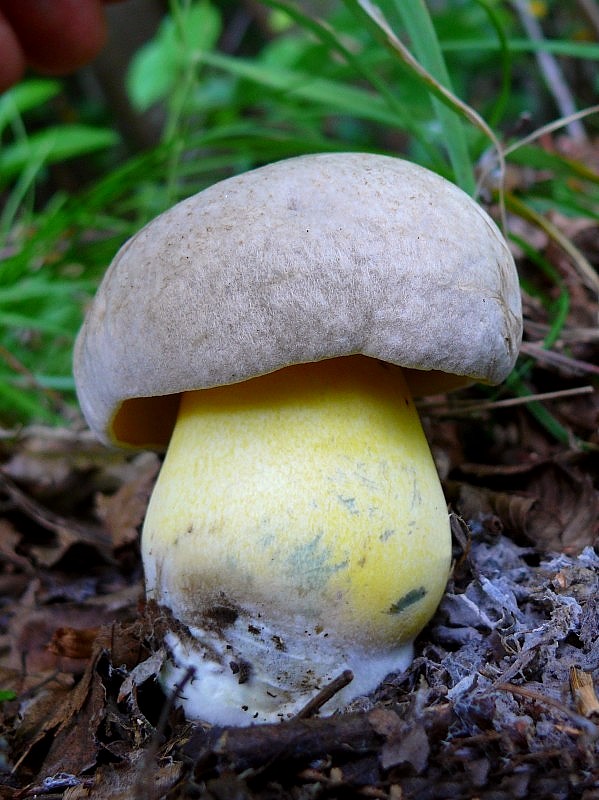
(307, 499)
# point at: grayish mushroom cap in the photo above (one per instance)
(302, 260)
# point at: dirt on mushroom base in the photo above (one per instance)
(487, 708)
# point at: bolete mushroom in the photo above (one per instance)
(273, 328)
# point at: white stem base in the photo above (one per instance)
(214, 687)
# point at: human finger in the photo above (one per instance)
(56, 36)
(12, 64)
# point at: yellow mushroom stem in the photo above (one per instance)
(298, 527)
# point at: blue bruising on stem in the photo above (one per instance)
(349, 503)
(312, 562)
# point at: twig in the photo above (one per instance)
(491, 405)
(239, 749)
(325, 694)
(566, 336)
(574, 365)
(582, 722)
(551, 127)
(438, 90)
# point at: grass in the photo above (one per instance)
(388, 77)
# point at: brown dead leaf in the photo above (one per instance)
(123, 642)
(406, 742)
(57, 462)
(583, 693)
(385, 722)
(567, 516)
(32, 638)
(556, 507)
(39, 720)
(496, 511)
(150, 668)
(74, 747)
(44, 460)
(66, 717)
(48, 555)
(37, 697)
(412, 748)
(73, 642)
(122, 513)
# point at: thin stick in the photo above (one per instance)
(550, 127)
(538, 352)
(325, 694)
(469, 408)
(582, 722)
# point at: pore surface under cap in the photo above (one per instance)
(302, 260)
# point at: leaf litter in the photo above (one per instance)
(499, 702)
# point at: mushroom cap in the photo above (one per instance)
(302, 260)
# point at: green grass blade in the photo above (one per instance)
(53, 144)
(328, 37)
(420, 29)
(544, 417)
(13, 319)
(541, 159)
(374, 20)
(559, 47)
(23, 403)
(24, 97)
(325, 92)
(30, 290)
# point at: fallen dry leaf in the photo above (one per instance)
(33, 641)
(73, 642)
(567, 516)
(122, 512)
(556, 507)
(406, 742)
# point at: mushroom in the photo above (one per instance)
(273, 328)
